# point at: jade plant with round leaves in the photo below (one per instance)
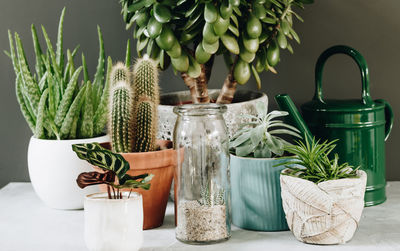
(188, 34)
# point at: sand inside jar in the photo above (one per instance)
(198, 223)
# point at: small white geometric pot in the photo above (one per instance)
(324, 213)
(114, 224)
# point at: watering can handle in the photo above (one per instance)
(388, 117)
(362, 64)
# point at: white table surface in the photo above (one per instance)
(27, 224)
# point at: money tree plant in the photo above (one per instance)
(51, 99)
(259, 137)
(189, 34)
(114, 168)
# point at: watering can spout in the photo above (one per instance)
(294, 118)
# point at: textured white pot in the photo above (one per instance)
(324, 213)
(53, 169)
(114, 224)
(245, 104)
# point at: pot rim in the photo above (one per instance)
(263, 95)
(361, 174)
(103, 196)
(103, 137)
(250, 158)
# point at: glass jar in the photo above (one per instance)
(203, 206)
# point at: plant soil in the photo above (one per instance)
(197, 223)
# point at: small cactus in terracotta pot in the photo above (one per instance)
(133, 102)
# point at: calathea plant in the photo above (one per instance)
(259, 137)
(51, 99)
(311, 161)
(114, 167)
(190, 33)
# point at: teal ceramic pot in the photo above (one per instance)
(256, 194)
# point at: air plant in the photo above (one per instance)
(114, 168)
(259, 137)
(311, 162)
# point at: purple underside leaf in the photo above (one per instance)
(95, 178)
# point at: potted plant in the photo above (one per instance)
(60, 112)
(256, 202)
(133, 128)
(113, 220)
(323, 200)
(189, 34)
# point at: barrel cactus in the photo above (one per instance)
(133, 106)
(189, 33)
(52, 101)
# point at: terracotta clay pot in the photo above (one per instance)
(162, 164)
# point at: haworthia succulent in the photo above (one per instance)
(24, 109)
(14, 59)
(85, 69)
(100, 117)
(67, 98)
(59, 52)
(86, 129)
(39, 130)
(128, 54)
(72, 111)
(30, 86)
(38, 52)
(57, 80)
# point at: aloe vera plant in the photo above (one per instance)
(259, 137)
(189, 34)
(113, 165)
(311, 161)
(51, 99)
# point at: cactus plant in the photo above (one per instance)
(133, 106)
(51, 100)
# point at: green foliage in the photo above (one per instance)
(51, 100)
(211, 198)
(133, 106)
(311, 162)
(172, 30)
(258, 138)
(146, 100)
(113, 162)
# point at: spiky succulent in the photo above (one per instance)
(51, 100)
(188, 33)
(311, 161)
(133, 106)
(258, 138)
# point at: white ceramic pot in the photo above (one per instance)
(323, 213)
(53, 169)
(114, 224)
(243, 103)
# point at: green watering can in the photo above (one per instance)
(361, 125)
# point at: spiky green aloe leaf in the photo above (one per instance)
(59, 52)
(86, 129)
(29, 117)
(67, 98)
(41, 115)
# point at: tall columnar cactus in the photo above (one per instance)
(133, 106)
(145, 87)
(121, 109)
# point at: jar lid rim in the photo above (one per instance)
(200, 109)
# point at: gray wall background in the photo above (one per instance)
(370, 26)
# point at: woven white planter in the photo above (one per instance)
(324, 213)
